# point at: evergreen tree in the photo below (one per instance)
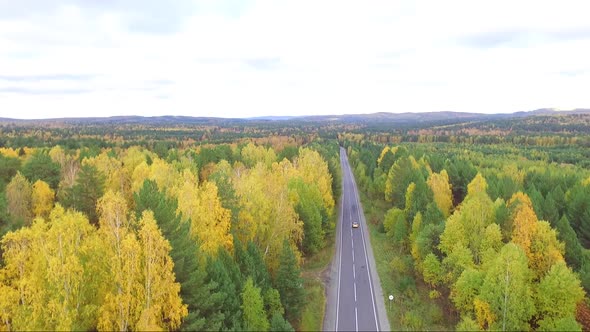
(550, 210)
(252, 307)
(311, 211)
(83, 195)
(41, 167)
(251, 264)
(418, 196)
(278, 323)
(226, 274)
(8, 168)
(195, 291)
(573, 249)
(290, 284)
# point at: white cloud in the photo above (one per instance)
(299, 57)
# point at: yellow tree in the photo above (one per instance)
(253, 154)
(267, 216)
(162, 305)
(65, 252)
(443, 196)
(122, 307)
(18, 196)
(210, 221)
(42, 199)
(524, 221)
(537, 239)
(15, 280)
(314, 169)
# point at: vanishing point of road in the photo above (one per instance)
(355, 299)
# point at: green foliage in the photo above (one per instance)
(418, 196)
(195, 291)
(278, 323)
(272, 303)
(467, 324)
(558, 293)
(83, 195)
(8, 168)
(223, 272)
(289, 283)
(41, 167)
(251, 264)
(568, 323)
(311, 211)
(466, 289)
(461, 172)
(578, 212)
(253, 309)
(396, 226)
(507, 289)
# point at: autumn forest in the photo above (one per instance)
(228, 225)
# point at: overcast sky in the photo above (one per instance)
(64, 58)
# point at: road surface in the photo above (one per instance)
(355, 299)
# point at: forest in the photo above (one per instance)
(220, 224)
(208, 237)
(495, 238)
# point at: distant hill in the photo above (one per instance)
(372, 118)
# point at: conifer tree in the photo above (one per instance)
(195, 291)
(290, 284)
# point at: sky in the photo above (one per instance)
(230, 58)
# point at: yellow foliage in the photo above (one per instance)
(9, 152)
(314, 169)
(42, 199)
(483, 313)
(443, 196)
(383, 152)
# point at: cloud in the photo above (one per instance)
(49, 77)
(263, 63)
(248, 58)
(27, 91)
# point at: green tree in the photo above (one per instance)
(562, 324)
(396, 226)
(253, 309)
(8, 168)
(466, 289)
(225, 274)
(195, 291)
(251, 264)
(290, 284)
(312, 212)
(573, 248)
(507, 289)
(418, 195)
(84, 194)
(278, 323)
(41, 167)
(558, 293)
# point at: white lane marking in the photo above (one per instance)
(354, 272)
(356, 319)
(356, 197)
(354, 284)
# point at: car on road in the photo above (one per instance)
(355, 224)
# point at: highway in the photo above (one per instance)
(354, 283)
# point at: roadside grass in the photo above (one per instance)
(412, 308)
(313, 312)
(312, 316)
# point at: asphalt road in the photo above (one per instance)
(355, 299)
